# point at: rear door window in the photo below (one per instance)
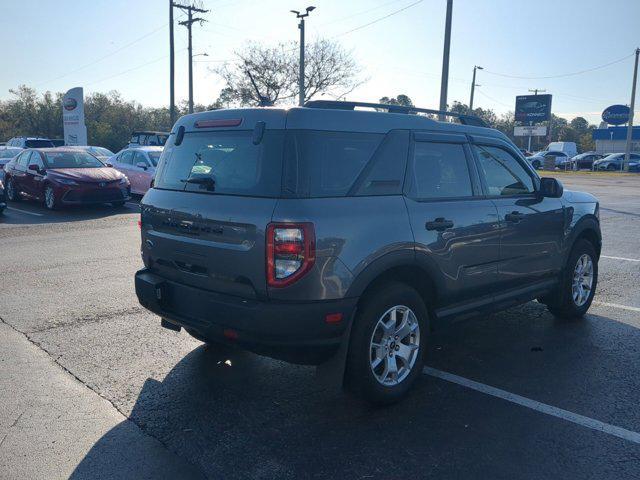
(439, 170)
(326, 164)
(223, 162)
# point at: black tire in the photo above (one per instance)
(563, 304)
(12, 192)
(360, 377)
(117, 204)
(51, 204)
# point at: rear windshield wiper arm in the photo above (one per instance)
(208, 182)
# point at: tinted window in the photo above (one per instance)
(134, 139)
(36, 159)
(225, 162)
(140, 158)
(503, 173)
(326, 164)
(39, 144)
(439, 170)
(126, 157)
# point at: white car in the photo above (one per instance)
(139, 165)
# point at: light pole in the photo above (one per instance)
(473, 87)
(302, 16)
(444, 83)
(627, 148)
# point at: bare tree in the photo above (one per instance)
(265, 76)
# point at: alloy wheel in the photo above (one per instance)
(394, 345)
(582, 280)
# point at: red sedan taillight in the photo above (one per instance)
(291, 252)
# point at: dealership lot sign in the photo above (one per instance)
(533, 108)
(75, 131)
(616, 114)
(530, 131)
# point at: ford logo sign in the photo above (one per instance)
(616, 114)
(70, 103)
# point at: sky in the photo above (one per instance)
(122, 45)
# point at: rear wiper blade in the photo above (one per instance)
(209, 182)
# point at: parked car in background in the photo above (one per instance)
(585, 160)
(101, 153)
(152, 139)
(325, 232)
(614, 162)
(7, 153)
(525, 152)
(537, 160)
(3, 195)
(568, 148)
(58, 142)
(139, 165)
(60, 176)
(30, 142)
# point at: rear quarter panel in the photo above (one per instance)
(351, 234)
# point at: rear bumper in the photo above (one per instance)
(294, 332)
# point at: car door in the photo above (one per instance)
(33, 178)
(124, 163)
(141, 175)
(19, 172)
(531, 226)
(455, 229)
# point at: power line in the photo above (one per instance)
(362, 12)
(379, 19)
(572, 74)
(98, 60)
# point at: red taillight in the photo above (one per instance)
(140, 224)
(291, 252)
(225, 122)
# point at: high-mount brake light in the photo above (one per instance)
(291, 252)
(226, 122)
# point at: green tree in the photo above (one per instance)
(401, 99)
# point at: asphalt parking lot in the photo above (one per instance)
(518, 394)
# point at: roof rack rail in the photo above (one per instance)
(348, 105)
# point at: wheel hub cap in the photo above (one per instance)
(394, 345)
(582, 280)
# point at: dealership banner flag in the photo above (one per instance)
(75, 131)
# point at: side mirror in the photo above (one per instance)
(551, 187)
(109, 164)
(34, 168)
(142, 165)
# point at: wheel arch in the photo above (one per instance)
(587, 228)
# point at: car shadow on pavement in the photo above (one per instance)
(236, 415)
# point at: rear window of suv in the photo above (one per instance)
(225, 162)
(38, 144)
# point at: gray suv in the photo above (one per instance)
(333, 236)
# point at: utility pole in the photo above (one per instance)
(535, 92)
(473, 87)
(172, 92)
(189, 23)
(444, 85)
(302, 16)
(627, 148)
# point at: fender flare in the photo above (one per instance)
(588, 222)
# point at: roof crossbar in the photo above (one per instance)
(348, 105)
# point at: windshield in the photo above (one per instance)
(154, 157)
(223, 162)
(103, 152)
(38, 144)
(78, 159)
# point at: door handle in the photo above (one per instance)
(439, 224)
(514, 217)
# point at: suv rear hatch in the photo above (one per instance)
(214, 194)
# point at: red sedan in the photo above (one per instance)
(60, 176)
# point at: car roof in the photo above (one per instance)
(330, 119)
(146, 148)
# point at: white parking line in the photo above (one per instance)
(621, 258)
(617, 305)
(24, 211)
(537, 406)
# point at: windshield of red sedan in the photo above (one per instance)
(77, 159)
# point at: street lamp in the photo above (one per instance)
(473, 86)
(302, 16)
